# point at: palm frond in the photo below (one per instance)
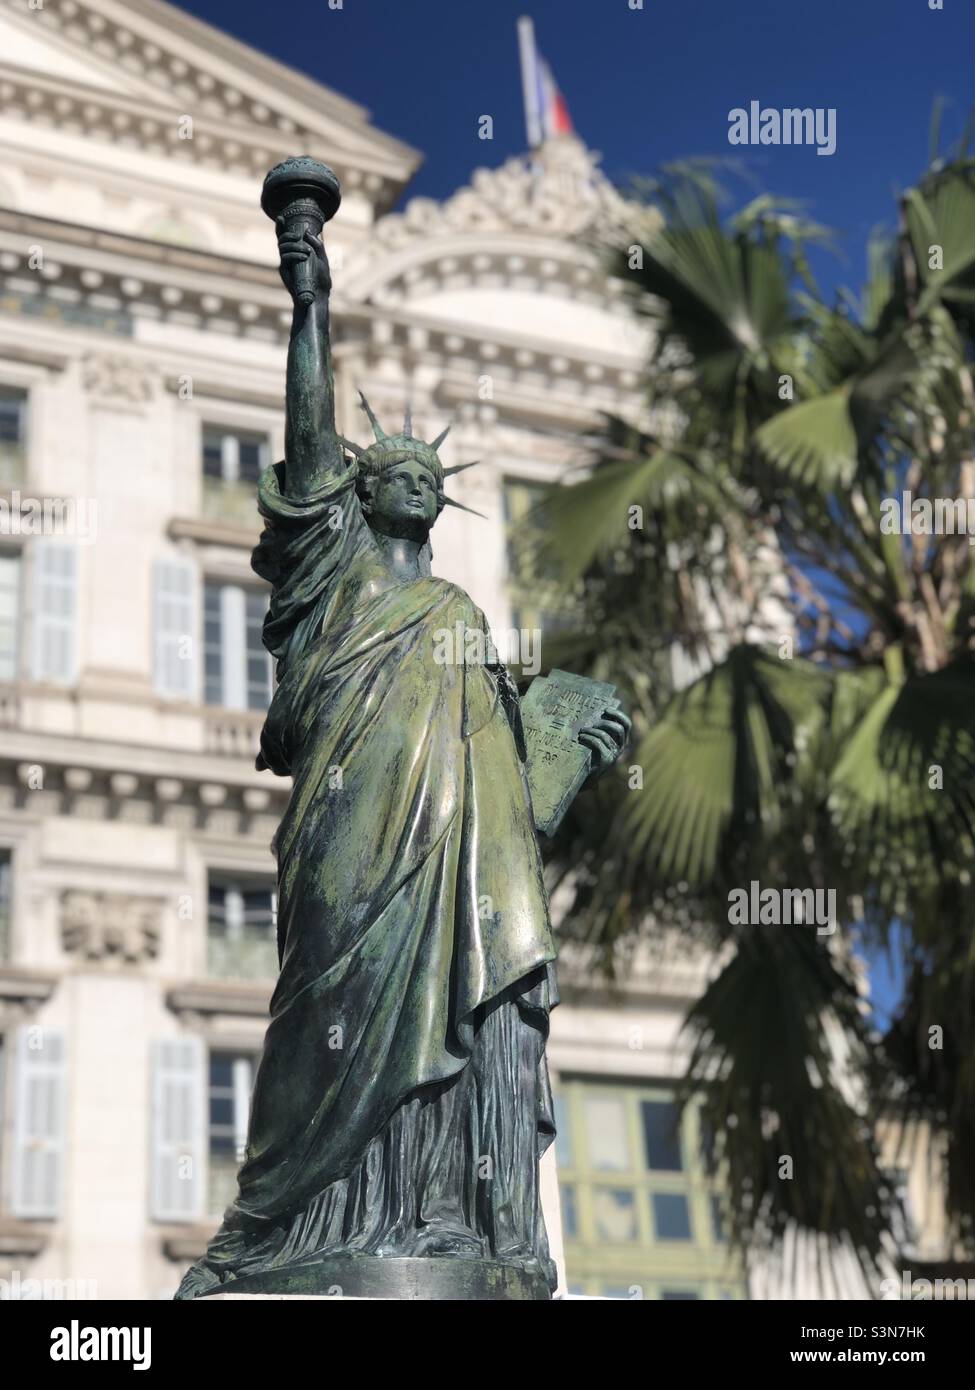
(718, 763)
(780, 1059)
(595, 517)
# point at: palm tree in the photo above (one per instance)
(828, 740)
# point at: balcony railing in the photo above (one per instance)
(13, 463)
(233, 733)
(235, 503)
(9, 707)
(242, 958)
(221, 1182)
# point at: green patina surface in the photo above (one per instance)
(402, 1101)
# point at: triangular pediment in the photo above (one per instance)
(151, 52)
(29, 47)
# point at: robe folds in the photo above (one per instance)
(412, 912)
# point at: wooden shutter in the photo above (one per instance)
(9, 616)
(178, 1129)
(55, 645)
(38, 1122)
(233, 620)
(175, 601)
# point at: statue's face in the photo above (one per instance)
(404, 501)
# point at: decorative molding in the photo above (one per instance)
(22, 1238)
(118, 380)
(35, 357)
(110, 926)
(22, 992)
(211, 293)
(241, 1000)
(238, 393)
(237, 734)
(205, 793)
(106, 280)
(558, 191)
(208, 531)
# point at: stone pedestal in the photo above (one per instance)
(444, 1278)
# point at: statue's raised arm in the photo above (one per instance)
(314, 530)
(301, 195)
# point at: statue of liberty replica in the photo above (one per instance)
(402, 1101)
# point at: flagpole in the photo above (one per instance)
(529, 81)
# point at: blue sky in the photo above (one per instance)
(648, 86)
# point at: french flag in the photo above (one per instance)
(546, 112)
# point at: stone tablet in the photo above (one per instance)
(554, 710)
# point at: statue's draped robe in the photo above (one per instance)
(402, 1097)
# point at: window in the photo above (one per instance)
(570, 1224)
(614, 1209)
(536, 598)
(6, 901)
(13, 435)
(9, 615)
(717, 1218)
(661, 1135)
(638, 1205)
(233, 461)
(234, 457)
(237, 669)
(241, 930)
(905, 1226)
(563, 1134)
(606, 1131)
(671, 1216)
(231, 1080)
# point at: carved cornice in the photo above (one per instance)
(214, 792)
(126, 277)
(543, 267)
(156, 130)
(516, 356)
(248, 110)
(106, 287)
(538, 223)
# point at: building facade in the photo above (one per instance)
(143, 334)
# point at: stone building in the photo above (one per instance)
(143, 333)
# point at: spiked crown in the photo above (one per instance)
(390, 449)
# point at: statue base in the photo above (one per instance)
(444, 1278)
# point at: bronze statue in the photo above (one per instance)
(402, 1101)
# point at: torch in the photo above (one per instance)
(306, 195)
